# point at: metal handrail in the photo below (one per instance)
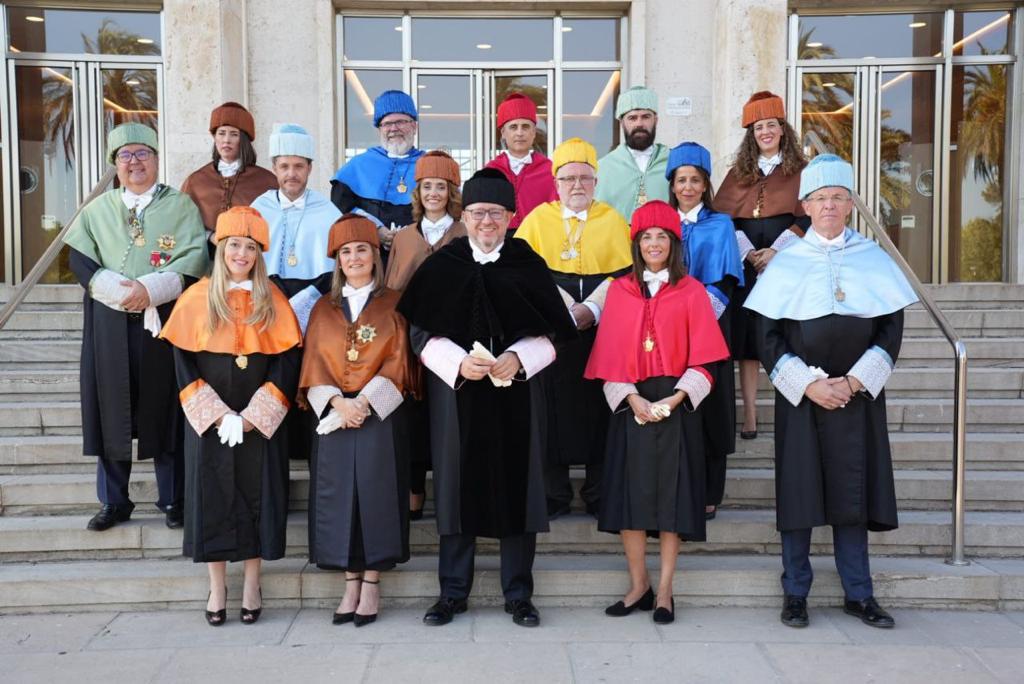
(51, 251)
(960, 355)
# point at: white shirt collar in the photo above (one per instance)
(655, 280)
(518, 163)
(139, 202)
(244, 285)
(397, 156)
(692, 215)
(482, 257)
(298, 203)
(357, 297)
(568, 213)
(228, 169)
(434, 231)
(837, 241)
(768, 164)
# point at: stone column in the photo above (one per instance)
(204, 65)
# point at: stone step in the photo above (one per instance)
(23, 418)
(44, 295)
(976, 295)
(71, 493)
(968, 322)
(923, 533)
(588, 580)
(18, 353)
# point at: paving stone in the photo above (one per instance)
(570, 625)
(823, 663)
(472, 662)
(179, 628)
(744, 625)
(50, 633)
(716, 662)
(393, 625)
(85, 666)
(1006, 664)
(310, 664)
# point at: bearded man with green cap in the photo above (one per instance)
(634, 172)
(134, 249)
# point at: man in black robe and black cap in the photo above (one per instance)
(485, 315)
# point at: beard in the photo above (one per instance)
(640, 138)
(397, 145)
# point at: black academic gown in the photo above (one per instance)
(832, 467)
(236, 498)
(125, 400)
(487, 443)
(387, 213)
(718, 410)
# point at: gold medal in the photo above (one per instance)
(401, 186)
(569, 255)
(840, 295)
(293, 260)
(648, 344)
(140, 240)
(352, 354)
(641, 199)
(757, 212)
(242, 361)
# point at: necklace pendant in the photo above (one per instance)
(401, 186)
(648, 344)
(352, 354)
(569, 255)
(140, 241)
(840, 295)
(242, 361)
(757, 212)
(641, 199)
(293, 260)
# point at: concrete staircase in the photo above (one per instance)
(50, 562)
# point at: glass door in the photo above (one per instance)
(448, 101)
(537, 85)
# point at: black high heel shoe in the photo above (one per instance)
(216, 618)
(358, 619)
(620, 609)
(343, 618)
(249, 617)
(664, 616)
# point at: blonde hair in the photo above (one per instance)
(218, 310)
(338, 279)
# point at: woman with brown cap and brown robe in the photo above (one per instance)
(436, 214)
(355, 374)
(232, 179)
(760, 193)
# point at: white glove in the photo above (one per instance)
(106, 288)
(330, 423)
(479, 351)
(230, 429)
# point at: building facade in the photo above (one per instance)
(921, 97)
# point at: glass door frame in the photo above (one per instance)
(553, 115)
(476, 100)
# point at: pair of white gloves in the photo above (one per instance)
(231, 429)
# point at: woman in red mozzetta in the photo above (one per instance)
(657, 331)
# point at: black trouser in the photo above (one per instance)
(112, 480)
(456, 562)
(558, 485)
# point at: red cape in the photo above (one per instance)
(534, 185)
(685, 332)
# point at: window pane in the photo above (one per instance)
(128, 95)
(446, 118)
(361, 87)
(877, 35)
(590, 40)
(83, 31)
(588, 108)
(827, 109)
(373, 37)
(981, 33)
(535, 88)
(467, 40)
(977, 162)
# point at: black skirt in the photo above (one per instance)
(654, 473)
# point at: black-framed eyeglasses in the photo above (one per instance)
(481, 214)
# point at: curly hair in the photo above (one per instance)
(454, 207)
(793, 158)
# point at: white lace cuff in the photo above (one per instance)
(717, 305)
(202, 406)
(785, 238)
(744, 244)
(267, 409)
(319, 396)
(302, 304)
(535, 354)
(616, 392)
(443, 357)
(791, 377)
(383, 396)
(106, 288)
(162, 287)
(697, 385)
(873, 369)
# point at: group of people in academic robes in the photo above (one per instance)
(400, 326)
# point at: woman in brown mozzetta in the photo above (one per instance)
(436, 214)
(232, 179)
(760, 193)
(355, 373)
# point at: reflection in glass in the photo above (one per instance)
(977, 163)
(373, 37)
(588, 108)
(128, 95)
(84, 31)
(3, 218)
(534, 87)
(48, 163)
(828, 110)
(590, 40)
(518, 39)
(981, 33)
(446, 118)
(361, 87)
(871, 35)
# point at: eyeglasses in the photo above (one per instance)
(837, 199)
(125, 157)
(573, 180)
(399, 123)
(480, 214)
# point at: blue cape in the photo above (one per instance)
(710, 248)
(374, 175)
(797, 284)
(310, 240)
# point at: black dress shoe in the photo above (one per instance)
(174, 516)
(664, 616)
(249, 616)
(415, 514)
(110, 515)
(620, 609)
(794, 611)
(523, 612)
(358, 619)
(748, 434)
(442, 612)
(869, 612)
(216, 618)
(710, 515)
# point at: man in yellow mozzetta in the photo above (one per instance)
(585, 243)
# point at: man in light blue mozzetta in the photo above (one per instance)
(634, 172)
(300, 220)
(378, 183)
(831, 322)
